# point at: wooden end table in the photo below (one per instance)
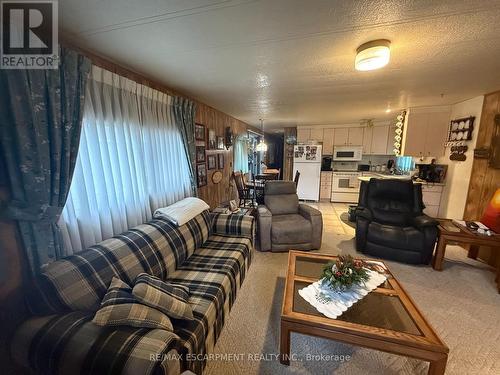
(451, 233)
(386, 319)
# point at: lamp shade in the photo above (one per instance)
(373, 55)
(491, 217)
(261, 146)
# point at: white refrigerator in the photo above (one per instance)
(307, 160)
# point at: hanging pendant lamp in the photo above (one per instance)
(262, 146)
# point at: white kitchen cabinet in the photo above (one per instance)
(316, 135)
(328, 135)
(431, 196)
(390, 140)
(303, 135)
(341, 137)
(325, 190)
(425, 133)
(379, 139)
(437, 133)
(367, 140)
(355, 137)
(415, 132)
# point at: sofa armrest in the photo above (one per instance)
(316, 218)
(67, 342)
(308, 212)
(423, 221)
(264, 223)
(364, 212)
(233, 225)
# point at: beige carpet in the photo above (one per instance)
(461, 303)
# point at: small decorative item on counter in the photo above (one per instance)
(344, 273)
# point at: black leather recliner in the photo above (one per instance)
(390, 223)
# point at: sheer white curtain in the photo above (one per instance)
(130, 161)
(241, 154)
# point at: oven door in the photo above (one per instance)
(345, 184)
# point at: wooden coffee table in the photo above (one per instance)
(386, 319)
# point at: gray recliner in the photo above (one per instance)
(284, 224)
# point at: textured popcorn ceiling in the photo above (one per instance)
(292, 61)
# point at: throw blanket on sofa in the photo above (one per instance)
(181, 212)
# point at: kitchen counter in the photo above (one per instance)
(369, 175)
(431, 192)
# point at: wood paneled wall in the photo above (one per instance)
(287, 157)
(484, 180)
(212, 193)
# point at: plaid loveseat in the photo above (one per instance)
(210, 255)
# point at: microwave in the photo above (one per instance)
(347, 153)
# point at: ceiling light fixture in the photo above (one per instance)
(373, 55)
(388, 110)
(262, 146)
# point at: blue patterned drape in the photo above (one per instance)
(184, 112)
(40, 123)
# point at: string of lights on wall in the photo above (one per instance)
(398, 136)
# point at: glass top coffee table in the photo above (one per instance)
(386, 319)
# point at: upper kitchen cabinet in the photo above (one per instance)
(341, 137)
(316, 135)
(425, 133)
(355, 137)
(328, 135)
(391, 140)
(348, 136)
(367, 140)
(379, 140)
(437, 133)
(303, 135)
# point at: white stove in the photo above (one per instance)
(345, 186)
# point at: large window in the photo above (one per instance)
(130, 161)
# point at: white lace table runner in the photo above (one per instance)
(331, 303)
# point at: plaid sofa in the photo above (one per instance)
(210, 254)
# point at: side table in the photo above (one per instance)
(449, 233)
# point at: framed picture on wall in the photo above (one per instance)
(199, 132)
(221, 160)
(201, 174)
(200, 154)
(212, 162)
(220, 143)
(211, 139)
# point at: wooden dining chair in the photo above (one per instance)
(244, 192)
(296, 178)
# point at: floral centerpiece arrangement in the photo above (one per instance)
(345, 272)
